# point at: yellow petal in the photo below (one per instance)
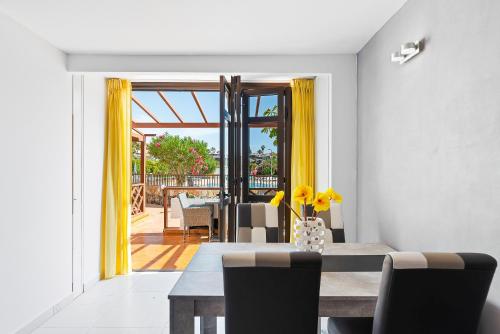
(321, 202)
(277, 198)
(329, 192)
(303, 193)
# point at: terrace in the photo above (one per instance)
(157, 240)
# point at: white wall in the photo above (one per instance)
(342, 100)
(35, 177)
(429, 134)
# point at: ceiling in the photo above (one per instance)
(201, 27)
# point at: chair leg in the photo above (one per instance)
(184, 234)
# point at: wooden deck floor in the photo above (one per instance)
(153, 250)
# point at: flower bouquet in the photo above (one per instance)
(309, 229)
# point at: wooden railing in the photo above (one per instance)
(138, 198)
(205, 181)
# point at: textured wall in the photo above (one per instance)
(429, 134)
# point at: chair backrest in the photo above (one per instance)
(271, 292)
(334, 222)
(183, 200)
(257, 222)
(432, 292)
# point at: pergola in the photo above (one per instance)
(138, 135)
(139, 188)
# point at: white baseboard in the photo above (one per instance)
(51, 311)
(44, 316)
(88, 284)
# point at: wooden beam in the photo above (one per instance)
(175, 86)
(261, 124)
(137, 137)
(145, 109)
(257, 106)
(164, 98)
(174, 125)
(264, 85)
(139, 132)
(200, 86)
(199, 106)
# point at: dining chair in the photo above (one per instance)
(195, 215)
(257, 222)
(334, 223)
(271, 292)
(430, 293)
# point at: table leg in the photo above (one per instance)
(208, 325)
(181, 316)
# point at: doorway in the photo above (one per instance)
(256, 129)
(249, 161)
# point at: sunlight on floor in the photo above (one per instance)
(152, 249)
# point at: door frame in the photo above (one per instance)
(226, 225)
(283, 124)
(77, 184)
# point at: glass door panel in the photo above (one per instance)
(263, 146)
(263, 161)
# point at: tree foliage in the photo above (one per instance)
(181, 156)
(266, 166)
(271, 132)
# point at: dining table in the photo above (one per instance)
(350, 279)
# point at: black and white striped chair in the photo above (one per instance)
(334, 222)
(271, 292)
(432, 293)
(257, 222)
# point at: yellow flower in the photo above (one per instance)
(337, 198)
(303, 193)
(334, 196)
(330, 192)
(277, 198)
(321, 202)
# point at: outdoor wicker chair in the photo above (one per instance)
(195, 215)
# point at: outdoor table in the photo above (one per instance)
(349, 282)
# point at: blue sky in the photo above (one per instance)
(184, 104)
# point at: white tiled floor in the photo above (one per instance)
(129, 304)
(134, 304)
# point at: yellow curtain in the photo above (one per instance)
(303, 134)
(115, 231)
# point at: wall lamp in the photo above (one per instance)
(407, 52)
